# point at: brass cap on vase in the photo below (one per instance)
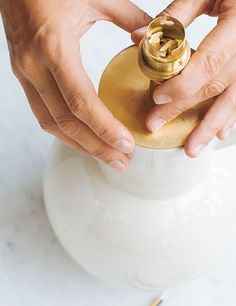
(126, 90)
(164, 51)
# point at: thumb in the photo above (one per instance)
(185, 11)
(126, 15)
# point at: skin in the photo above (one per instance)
(63, 98)
(210, 73)
(43, 39)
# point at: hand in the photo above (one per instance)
(43, 38)
(210, 73)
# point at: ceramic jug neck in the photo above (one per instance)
(160, 173)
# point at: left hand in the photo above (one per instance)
(211, 72)
(44, 44)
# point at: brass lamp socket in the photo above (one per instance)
(164, 51)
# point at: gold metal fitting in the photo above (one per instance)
(164, 51)
(127, 91)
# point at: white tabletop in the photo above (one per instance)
(34, 269)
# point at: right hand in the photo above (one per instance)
(43, 39)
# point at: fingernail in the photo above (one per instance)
(161, 99)
(198, 150)
(141, 31)
(157, 124)
(124, 146)
(118, 166)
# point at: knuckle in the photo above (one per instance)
(166, 11)
(25, 64)
(172, 8)
(51, 46)
(79, 105)
(104, 132)
(213, 63)
(15, 69)
(181, 86)
(48, 44)
(169, 9)
(168, 112)
(214, 88)
(48, 126)
(184, 90)
(146, 18)
(100, 153)
(174, 111)
(68, 125)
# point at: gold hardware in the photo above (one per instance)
(127, 91)
(164, 45)
(164, 51)
(156, 40)
(168, 47)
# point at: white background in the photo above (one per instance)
(34, 269)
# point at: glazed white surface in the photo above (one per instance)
(34, 269)
(129, 240)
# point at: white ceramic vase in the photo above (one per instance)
(166, 219)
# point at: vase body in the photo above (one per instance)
(168, 217)
(128, 239)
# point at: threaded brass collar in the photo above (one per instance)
(164, 51)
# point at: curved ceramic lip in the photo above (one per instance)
(159, 149)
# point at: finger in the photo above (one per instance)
(76, 129)
(230, 124)
(184, 11)
(218, 83)
(83, 102)
(216, 50)
(213, 88)
(215, 120)
(126, 15)
(44, 118)
(138, 35)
